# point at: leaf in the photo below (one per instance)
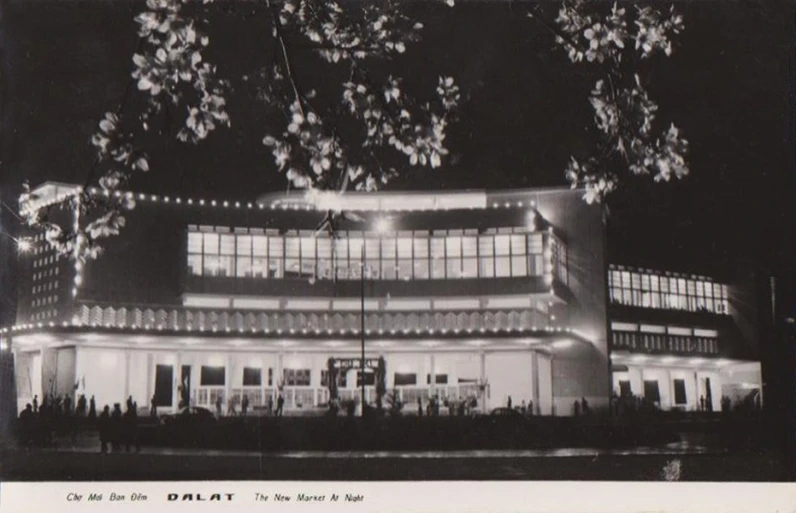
(142, 164)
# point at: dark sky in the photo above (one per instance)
(728, 86)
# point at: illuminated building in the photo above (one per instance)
(468, 294)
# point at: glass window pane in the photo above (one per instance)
(292, 247)
(210, 243)
(244, 245)
(453, 246)
(486, 267)
(341, 249)
(519, 266)
(469, 268)
(194, 242)
(388, 248)
(195, 264)
(454, 267)
(307, 247)
(324, 248)
(421, 247)
(536, 246)
(227, 244)
(469, 246)
(259, 267)
(502, 266)
(243, 267)
(437, 247)
(486, 245)
(501, 244)
(260, 245)
(405, 269)
(404, 248)
(438, 268)
(518, 244)
(421, 268)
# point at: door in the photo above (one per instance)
(185, 383)
(708, 396)
(164, 383)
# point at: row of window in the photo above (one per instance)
(53, 285)
(652, 391)
(47, 314)
(674, 293)
(665, 343)
(43, 301)
(41, 262)
(252, 376)
(46, 274)
(387, 258)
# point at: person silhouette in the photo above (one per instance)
(104, 428)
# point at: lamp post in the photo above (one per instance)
(362, 327)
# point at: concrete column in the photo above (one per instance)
(278, 374)
(150, 378)
(127, 358)
(228, 370)
(697, 392)
(670, 386)
(433, 379)
(482, 377)
(263, 380)
(175, 401)
(535, 381)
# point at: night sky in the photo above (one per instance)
(525, 110)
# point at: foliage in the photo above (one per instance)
(617, 39)
(171, 73)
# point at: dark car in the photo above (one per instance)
(507, 413)
(190, 415)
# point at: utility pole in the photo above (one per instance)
(362, 327)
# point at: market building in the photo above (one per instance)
(495, 296)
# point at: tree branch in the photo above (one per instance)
(279, 31)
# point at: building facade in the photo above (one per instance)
(494, 296)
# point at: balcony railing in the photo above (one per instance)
(665, 343)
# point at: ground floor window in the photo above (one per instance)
(439, 379)
(405, 379)
(297, 377)
(212, 376)
(651, 391)
(679, 391)
(252, 377)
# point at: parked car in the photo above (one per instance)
(189, 415)
(508, 413)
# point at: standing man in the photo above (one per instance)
(153, 408)
(244, 404)
(280, 404)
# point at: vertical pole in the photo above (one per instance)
(126, 374)
(150, 379)
(362, 325)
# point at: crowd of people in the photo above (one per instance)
(60, 415)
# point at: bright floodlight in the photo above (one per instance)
(24, 245)
(382, 225)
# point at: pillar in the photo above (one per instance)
(535, 381)
(432, 387)
(175, 401)
(670, 385)
(697, 392)
(228, 369)
(278, 375)
(126, 374)
(482, 379)
(150, 379)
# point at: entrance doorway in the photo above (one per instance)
(164, 385)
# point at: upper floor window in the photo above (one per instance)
(656, 290)
(397, 256)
